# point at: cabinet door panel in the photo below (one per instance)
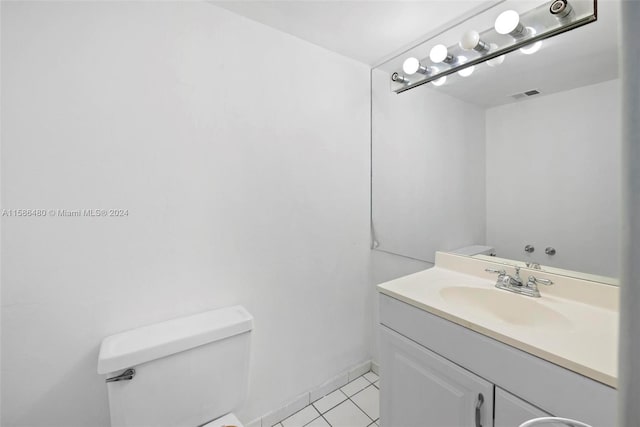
(512, 411)
(421, 389)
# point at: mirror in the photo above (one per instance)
(524, 153)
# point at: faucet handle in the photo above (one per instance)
(534, 279)
(498, 272)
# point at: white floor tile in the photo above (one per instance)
(347, 414)
(301, 418)
(355, 386)
(369, 401)
(371, 377)
(318, 422)
(377, 384)
(329, 401)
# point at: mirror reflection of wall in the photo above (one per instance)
(552, 178)
(476, 161)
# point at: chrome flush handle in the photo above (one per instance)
(125, 376)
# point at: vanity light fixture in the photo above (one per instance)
(399, 79)
(531, 49)
(471, 41)
(562, 10)
(439, 82)
(508, 22)
(439, 53)
(497, 60)
(465, 72)
(526, 30)
(413, 65)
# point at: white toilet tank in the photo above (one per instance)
(188, 371)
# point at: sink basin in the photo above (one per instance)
(508, 307)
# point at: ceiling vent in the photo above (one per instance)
(525, 94)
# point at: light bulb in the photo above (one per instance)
(440, 53)
(467, 71)
(471, 41)
(412, 66)
(508, 22)
(440, 81)
(497, 60)
(531, 49)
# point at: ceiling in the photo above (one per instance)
(365, 30)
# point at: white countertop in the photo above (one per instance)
(574, 324)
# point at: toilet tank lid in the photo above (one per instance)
(131, 348)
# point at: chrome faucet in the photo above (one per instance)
(513, 283)
(534, 265)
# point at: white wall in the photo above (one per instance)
(428, 170)
(241, 154)
(553, 178)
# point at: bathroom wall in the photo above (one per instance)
(242, 156)
(537, 190)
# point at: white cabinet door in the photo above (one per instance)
(421, 389)
(512, 411)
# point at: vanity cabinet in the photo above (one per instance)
(426, 390)
(432, 372)
(511, 411)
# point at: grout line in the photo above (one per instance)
(335, 406)
(365, 412)
(326, 420)
(341, 402)
(308, 393)
(362, 410)
(319, 416)
(297, 412)
(371, 382)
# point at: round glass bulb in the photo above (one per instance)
(411, 66)
(438, 53)
(507, 21)
(470, 40)
(467, 71)
(531, 49)
(440, 81)
(495, 61)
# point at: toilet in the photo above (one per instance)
(192, 371)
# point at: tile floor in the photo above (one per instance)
(357, 404)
